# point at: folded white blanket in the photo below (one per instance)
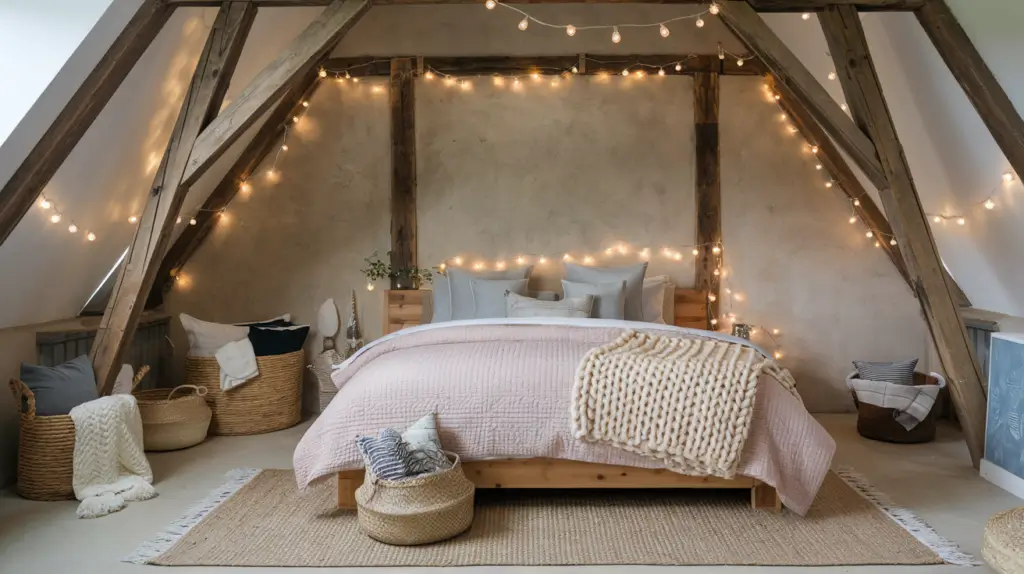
(110, 467)
(913, 402)
(237, 362)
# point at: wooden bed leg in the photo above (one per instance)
(765, 497)
(348, 482)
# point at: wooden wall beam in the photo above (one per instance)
(849, 49)
(20, 192)
(402, 95)
(552, 65)
(263, 143)
(976, 79)
(708, 189)
(787, 69)
(205, 96)
(761, 5)
(273, 81)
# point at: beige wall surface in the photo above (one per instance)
(577, 168)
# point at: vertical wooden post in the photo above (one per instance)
(403, 168)
(977, 80)
(708, 186)
(203, 100)
(848, 45)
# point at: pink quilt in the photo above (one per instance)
(504, 391)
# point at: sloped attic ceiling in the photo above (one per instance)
(954, 159)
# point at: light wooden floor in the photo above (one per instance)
(934, 480)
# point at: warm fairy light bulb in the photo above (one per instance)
(937, 219)
(457, 261)
(428, 75)
(284, 147)
(679, 67)
(515, 83)
(853, 219)
(574, 70)
(499, 81)
(738, 296)
(616, 37)
(961, 221)
(72, 228)
(347, 75)
(273, 175)
(192, 221)
(442, 266)
(869, 234)
(176, 221)
(832, 76)
(608, 251)
(478, 265)
(354, 81)
(305, 104)
(777, 355)
(892, 241)
(856, 203)
(640, 73)
(295, 119)
(717, 272)
(524, 23)
(500, 265)
(322, 73)
(699, 22)
(818, 166)
(622, 249)
(588, 260)
(567, 257)
(542, 260)
(716, 250)
(645, 253)
(570, 30)
(520, 260)
(625, 72)
(91, 236)
(989, 204)
(370, 286)
(490, 4)
(449, 81)
(814, 149)
(55, 218)
(877, 244)
(246, 187)
(828, 184)
(792, 129)
(777, 97)
(712, 297)
(677, 256)
(132, 219)
(695, 252)
(844, 107)
(664, 31)
(1008, 177)
(465, 85)
(739, 62)
(806, 15)
(713, 8)
(45, 203)
(535, 76)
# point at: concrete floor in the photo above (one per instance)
(935, 480)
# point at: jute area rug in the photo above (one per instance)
(259, 519)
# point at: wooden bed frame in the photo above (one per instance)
(408, 308)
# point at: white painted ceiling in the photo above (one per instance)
(49, 273)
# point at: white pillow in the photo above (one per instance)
(577, 307)
(204, 338)
(658, 299)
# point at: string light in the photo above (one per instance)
(679, 67)
(245, 187)
(832, 76)
(570, 30)
(72, 228)
(524, 23)
(192, 221)
(322, 73)
(55, 218)
(663, 30)
(305, 104)
(91, 236)
(1008, 177)
(131, 219)
(661, 71)
(989, 204)
(45, 203)
(806, 15)
(713, 9)
(699, 22)
(490, 4)
(616, 37)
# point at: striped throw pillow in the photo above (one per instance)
(387, 455)
(898, 373)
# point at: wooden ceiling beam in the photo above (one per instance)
(848, 46)
(976, 79)
(273, 81)
(551, 65)
(760, 5)
(20, 192)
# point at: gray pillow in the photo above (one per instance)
(462, 291)
(442, 296)
(576, 307)
(62, 388)
(898, 373)
(632, 275)
(609, 297)
(489, 295)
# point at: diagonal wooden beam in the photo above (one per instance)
(272, 82)
(788, 71)
(976, 79)
(848, 45)
(24, 187)
(265, 142)
(205, 96)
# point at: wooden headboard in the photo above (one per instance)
(407, 309)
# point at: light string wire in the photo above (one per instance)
(529, 17)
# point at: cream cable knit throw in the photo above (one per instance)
(110, 467)
(685, 402)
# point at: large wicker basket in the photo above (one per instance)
(46, 448)
(272, 401)
(420, 510)
(879, 423)
(172, 423)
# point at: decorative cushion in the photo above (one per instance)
(442, 297)
(654, 294)
(898, 373)
(633, 276)
(268, 341)
(62, 388)
(609, 297)
(426, 454)
(204, 338)
(489, 295)
(519, 306)
(387, 455)
(462, 291)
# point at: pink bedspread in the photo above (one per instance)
(504, 391)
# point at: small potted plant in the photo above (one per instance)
(403, 278)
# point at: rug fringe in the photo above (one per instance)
(945, 548)
(154, 548)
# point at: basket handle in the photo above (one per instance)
(143, 371)
(200, 391)
(21, 391)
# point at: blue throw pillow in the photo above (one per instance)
(387, 456)
(267, 341)
(62, 388)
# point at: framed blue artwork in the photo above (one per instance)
(1004, 430)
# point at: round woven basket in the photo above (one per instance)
(172, 423)
(269, 402)
(1002, 545)
(878, 423)
(420, 510)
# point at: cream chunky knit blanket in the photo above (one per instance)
(685, 402)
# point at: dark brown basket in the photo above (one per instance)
(878, 423)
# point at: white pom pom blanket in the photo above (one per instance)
(685, 402)
(110, 467)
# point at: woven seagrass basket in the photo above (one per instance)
(172, 423)
(878, 423)
(46, 448)
(1002, 545)
(420, 510)
(269, 402)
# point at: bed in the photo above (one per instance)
(794, 454)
